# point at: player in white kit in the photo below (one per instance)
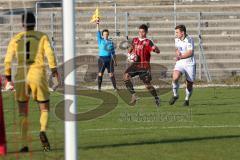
(185, 64)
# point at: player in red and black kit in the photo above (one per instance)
(142, 47)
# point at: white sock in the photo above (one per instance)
(175, 87)
(188, 94)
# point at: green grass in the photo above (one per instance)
(209, 129)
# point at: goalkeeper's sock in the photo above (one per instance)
(113, 82)
(129, 86)
(43, 120)
(24, 129)
(99, 82)
(175, 87)
(188, 94)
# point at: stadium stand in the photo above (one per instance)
(217, 22)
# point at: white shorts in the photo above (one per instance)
(188, 70)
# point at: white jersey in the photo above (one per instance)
(183, 46)
(186, 66)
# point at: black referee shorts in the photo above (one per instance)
(105, 63)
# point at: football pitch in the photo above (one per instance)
(207, 130)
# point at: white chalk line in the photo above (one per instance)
(170, 127)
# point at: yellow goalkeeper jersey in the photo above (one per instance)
(29, 48)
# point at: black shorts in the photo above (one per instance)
(143, 73)
(104, 63)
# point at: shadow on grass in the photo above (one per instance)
(40, 151)
(152, 142)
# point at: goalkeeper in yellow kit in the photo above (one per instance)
(30, 48)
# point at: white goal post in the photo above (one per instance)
(71, 147)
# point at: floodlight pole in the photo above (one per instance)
(71, 149)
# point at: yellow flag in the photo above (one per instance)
(95, 16)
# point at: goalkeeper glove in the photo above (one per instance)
(56, 80)
(8, 84)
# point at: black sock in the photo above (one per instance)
(99, 82)
(153, 91)
(113, 82)
(129, 86)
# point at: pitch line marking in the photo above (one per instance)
(171, 127)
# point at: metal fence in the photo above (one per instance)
(215, 35)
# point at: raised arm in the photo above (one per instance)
(97, 25)
(99, 37)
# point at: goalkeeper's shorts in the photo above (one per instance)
(38, 89)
